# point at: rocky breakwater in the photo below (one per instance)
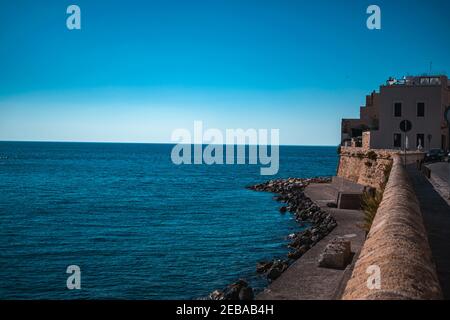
(318, 222)
(315, 224)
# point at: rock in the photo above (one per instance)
(336, 255)
(263, 266)
(246, 293)
(295, 244)
(277, 269)
(273, 273)
(231, 293)
(239, 290)
(295, 254)
(216, 295)
(306, 239)
(304, 248)
(283, 209)
(241, 283)
(331, 226)
(233, 290)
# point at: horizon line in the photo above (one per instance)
(172, 143)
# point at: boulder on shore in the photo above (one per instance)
(263, 266)
(278, 267)
(336, 255)
(246, 293)
(239, 290)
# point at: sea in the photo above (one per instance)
(137, 225)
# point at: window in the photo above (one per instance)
(397, 140)
(397, 109)
(421, 109)
(435, 81)
(424, 81)
(420, 140)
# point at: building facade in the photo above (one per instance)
(421, 100)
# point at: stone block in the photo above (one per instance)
(337, 254)
(349, 200)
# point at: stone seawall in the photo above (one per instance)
(364, 166)
(398, 245)
(370, 167)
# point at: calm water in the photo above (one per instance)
(138, 226)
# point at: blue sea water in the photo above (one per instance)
(138, 226)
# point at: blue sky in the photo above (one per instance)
(137, 70)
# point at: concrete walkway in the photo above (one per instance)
(436, 215)
(441, 170)
(440, 178)
(304, 280)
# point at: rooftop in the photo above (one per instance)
(435, 80)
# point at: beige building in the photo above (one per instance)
(422, 100)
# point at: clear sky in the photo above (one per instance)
(137, 70)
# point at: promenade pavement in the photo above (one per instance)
(436, 215)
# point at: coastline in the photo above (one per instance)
(306, 279)
(318, 222)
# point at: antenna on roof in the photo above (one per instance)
(431, 67)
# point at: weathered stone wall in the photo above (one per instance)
(397, 243)
(364, 166)
(366, 140)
